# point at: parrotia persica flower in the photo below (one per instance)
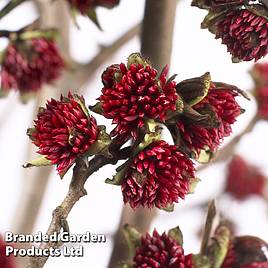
(246, 252)
(84, 6)
(158, 176)
(245, 34)
(161, 251)
(133, 93)
(220, 105)
(5, 262)
(27, 65)
(243, 179)
(64, 131)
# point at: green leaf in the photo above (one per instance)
(225, 86)
(101, 145)
(195, 89)
(201, 261)
(192, 185)
(259, 10)
(168, 208)
(200, 3)
(82, 104)
(136, 58)
(205, 156)
(119, 177)
(38, 162)
(47, 34)
(97, 108)
(212, 120)
(132, 237)
(92, 14)
(125, 265)
(176, 234)
(219, 247)
(211, 20)
(152, 134)
(192, 114)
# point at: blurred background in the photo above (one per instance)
(194, 52)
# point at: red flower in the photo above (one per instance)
(158, 176)
(28, 65)
(85, 5)
(136, 94)
(64, 131)
(161, 252)
(245, 34)
(246, 252)
(243, 179)
(5, 262)
(108, 76)
(198, 137)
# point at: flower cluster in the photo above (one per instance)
(260, 75)
(158, 176)
(197, 136)
(27, 65)
(243, 179)
(199, 114)
(133, 92)
(242, 26)
(245, 34)
(86, 5)
(161, 251)
(64, 131)
(246, 252)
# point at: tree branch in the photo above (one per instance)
(33, 188)
(85, 72)
(157, 31)
(81, 172)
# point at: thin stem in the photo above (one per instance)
(81, 172)
(5, 33)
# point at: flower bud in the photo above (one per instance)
(195, 89)
(244, 251)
